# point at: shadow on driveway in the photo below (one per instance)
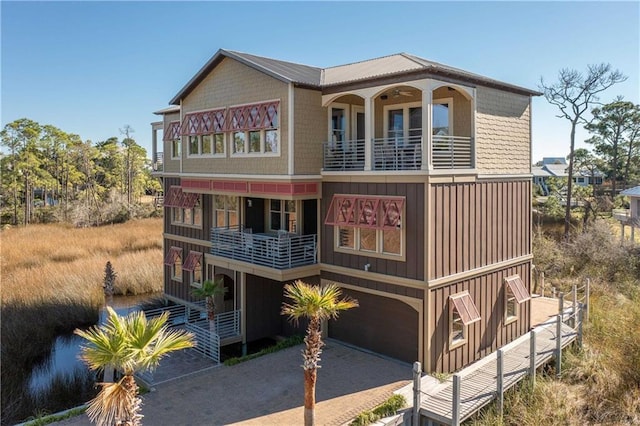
(269, 390)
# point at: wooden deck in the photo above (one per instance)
(479, 382)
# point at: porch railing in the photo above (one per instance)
(158, 162)
(397, 153)
(344, 155)
(280, 251)
(452, 152)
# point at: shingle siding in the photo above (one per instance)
(502, 132)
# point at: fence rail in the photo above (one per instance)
(397, 153)
(344, 155)
(452, 152)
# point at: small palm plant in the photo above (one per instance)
(209, 290)
(131, 344)
(316, 304)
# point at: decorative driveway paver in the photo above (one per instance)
(269, 390)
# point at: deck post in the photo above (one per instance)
(561, 305)
(558, 345)
(417, 375)
(455, 412)
(500, 382)
(586, 299)
(580, 321)
(532, 357)
(574, 312)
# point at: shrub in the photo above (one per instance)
(386, 409)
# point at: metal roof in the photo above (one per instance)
(539, 171)
(305, 75)
(632, 192)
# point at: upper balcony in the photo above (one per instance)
(385, 128)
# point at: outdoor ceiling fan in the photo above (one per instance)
(397, 93)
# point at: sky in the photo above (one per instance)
(91, 68)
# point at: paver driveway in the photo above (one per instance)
(269, 390)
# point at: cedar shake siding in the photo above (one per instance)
(383, 325)
(310, 122)
(230, 84)
(414, 235)
(484, 336)
(478, 224)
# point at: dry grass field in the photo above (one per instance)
(59, 262)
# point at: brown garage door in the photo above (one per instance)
(382, 325)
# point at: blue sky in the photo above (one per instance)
(92, 67)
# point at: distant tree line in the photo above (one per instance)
(47, 174)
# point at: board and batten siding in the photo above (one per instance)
(181, 289)
(484, 336)
(478, 224)
(413, 222)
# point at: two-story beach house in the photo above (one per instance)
(404, 181)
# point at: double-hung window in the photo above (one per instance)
(368, 224)
(254, 128)
(225, 211)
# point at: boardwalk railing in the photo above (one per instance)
(344, 155)
(476, 386)
(397, 153)
(281, 251)
(452, 152)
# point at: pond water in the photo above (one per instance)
(63, 363)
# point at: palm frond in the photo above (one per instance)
(309, 301)
(112, 403)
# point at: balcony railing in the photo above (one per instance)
(158, 162)
(279, 251)
(344, 156)
(452, 152)
(397, 153)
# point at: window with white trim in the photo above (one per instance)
(254, 128)
(442, 117)
(368, 224)
(187, 216)
(193, 264)
(515, 294)
(171, 134)
(205, 132)
(462, 313)
(225, 209)
(174, 261)
(176, 148)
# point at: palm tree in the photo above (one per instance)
(316, 304)
(209, 290)
(130, 344)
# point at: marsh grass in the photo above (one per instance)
(51, 284)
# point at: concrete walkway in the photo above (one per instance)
(269, 390)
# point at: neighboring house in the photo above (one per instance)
(630, 217)
(404, 181)
(558, 167)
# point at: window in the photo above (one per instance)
(462, 312)
(225, 211)
(193, 264)
(176, 148)
(205, 132)
(185, 207)
(367, 224)
(174, 261)
(403, 123)
(442, 122)
(338, 125)
(515, 294)
(282, 215)
(255, 128)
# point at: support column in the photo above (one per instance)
(369, 111)
(427, 126)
